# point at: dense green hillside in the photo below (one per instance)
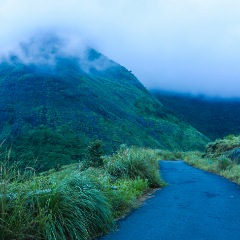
(53, 104)
(215, 118)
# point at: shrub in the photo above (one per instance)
(134, 162)
(223, 162)
(221, 146)
(233, 173)
(94, 154)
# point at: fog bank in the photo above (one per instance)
(185, 46)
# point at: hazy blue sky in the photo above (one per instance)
(187, 46)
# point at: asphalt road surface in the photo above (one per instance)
(195, 205)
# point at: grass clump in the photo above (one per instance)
(223, 162)
(65, 207)
(81, 209)
(124, 194)
(133, 163)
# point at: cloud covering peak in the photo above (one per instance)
(186, 46)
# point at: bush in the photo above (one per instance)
(222, 146)
(166, 155)
(94, 154)
(233, 173)
(134, 162)
(223, 162)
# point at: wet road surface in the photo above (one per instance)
(195, 205)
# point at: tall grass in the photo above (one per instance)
(221, 165)
(123, 194)
(69, 208)
(73, 203)
(78, 208)
(133, 162)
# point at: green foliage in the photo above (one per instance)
(45, 148)
(224, 145)
(228, 147)
(71, 207)
(132, 163)
(125, 193)
(81, 210)
(170, 155)
(94, 154)
(223, 162)
(69, 203)
(219, 165)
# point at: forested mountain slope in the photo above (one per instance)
(214, 117)
(53, 104)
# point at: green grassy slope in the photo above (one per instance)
(50, 112)
(215, 118)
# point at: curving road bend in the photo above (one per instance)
(196, 205)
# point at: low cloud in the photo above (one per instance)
(186, 46)
(44, 47)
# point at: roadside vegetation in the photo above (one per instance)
(221, 165)
(79, 201)
(221, 157)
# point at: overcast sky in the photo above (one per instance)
(186, 46)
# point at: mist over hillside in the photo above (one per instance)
(214, 117)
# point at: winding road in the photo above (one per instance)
(196, 205)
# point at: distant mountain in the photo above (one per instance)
(213, 117)
(53, 103)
